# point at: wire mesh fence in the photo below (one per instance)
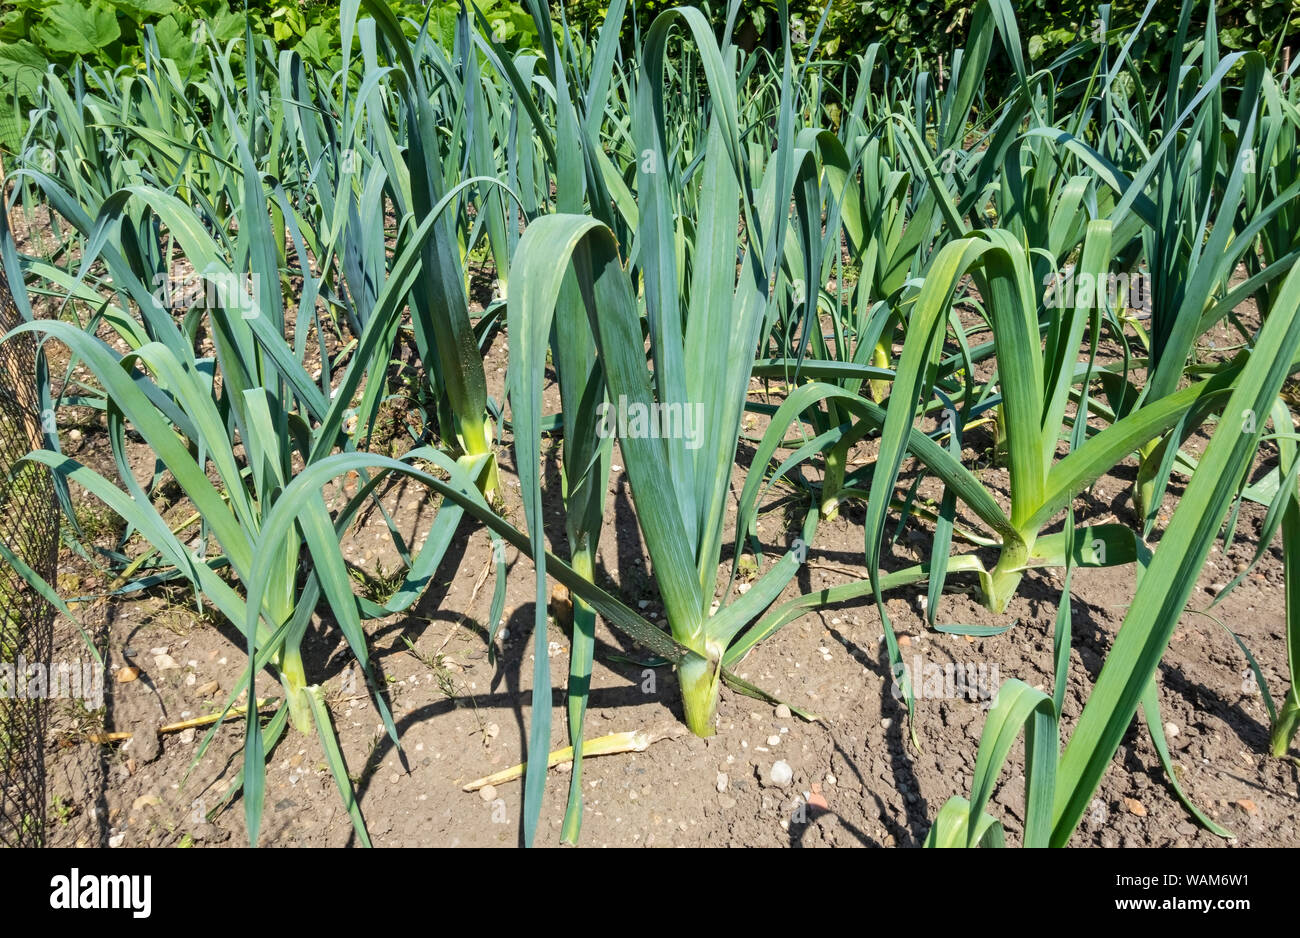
(29, 528)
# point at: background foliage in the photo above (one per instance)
(111, 34)
(932, 28)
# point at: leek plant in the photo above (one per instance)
(705, 318)
(440, 306)
(1035, 388)
(1059, 785)
(1035, 383)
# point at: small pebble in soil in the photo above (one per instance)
(774, 740)
(782, 712)
(722, 782)
(886, 723)
(488, 793)
(1171, 730)
(781, 774)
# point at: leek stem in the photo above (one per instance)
(1288, 721)
(294, 678)
(698, 677)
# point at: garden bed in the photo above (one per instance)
(855, 774)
